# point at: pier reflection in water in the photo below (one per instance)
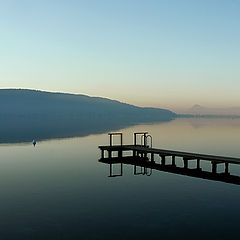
(143, 166)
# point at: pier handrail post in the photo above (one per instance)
(143, 134)
(149, 136)
(110, 135)
(145, 140)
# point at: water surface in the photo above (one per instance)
(58, 190)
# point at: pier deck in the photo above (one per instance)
(164, 152)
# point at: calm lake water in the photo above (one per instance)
(59, 190)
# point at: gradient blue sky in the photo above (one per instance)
(165, 53)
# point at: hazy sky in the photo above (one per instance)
(165, 53)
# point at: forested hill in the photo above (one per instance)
(37, 113)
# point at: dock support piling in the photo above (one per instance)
(226, 168)
(134, 153)
(173, 161)
(109, 154)
(163, 160)
(185, 163)
(102, 153)
(198, 164)
(120, 153)
(152, 157)
(214, 167)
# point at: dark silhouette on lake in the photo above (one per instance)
(28, 114)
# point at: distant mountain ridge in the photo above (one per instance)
(27, 114)
(22, 101)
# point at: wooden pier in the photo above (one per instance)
(144, 155)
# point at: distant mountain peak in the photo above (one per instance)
(202, 110)
(197, 107)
